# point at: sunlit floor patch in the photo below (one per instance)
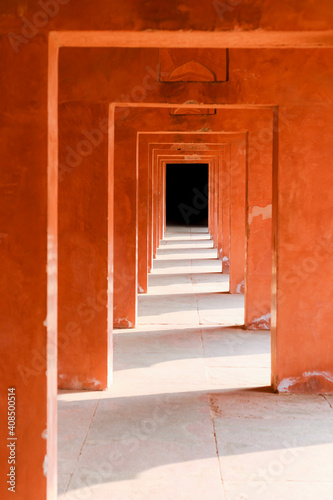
(190, 414)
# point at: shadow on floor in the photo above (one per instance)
(178, 278)
(142, 349)
(130, 435)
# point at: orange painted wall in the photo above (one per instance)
(236, 181)
(258, 280)
(238, 157)
(298, 81)
(83, 247)
(252, 80)
(23, 247)
(144, 138)
(145, 156)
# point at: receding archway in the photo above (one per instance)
(187, 194)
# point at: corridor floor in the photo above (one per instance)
(190, 415)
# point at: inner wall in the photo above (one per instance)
(187, 194)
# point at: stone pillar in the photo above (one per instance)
(28, 230)
(259, 225)
(237, 216)
(125, 225)
(150, 211)
(161, 201)
(143, 217)
(164, 197)
(83, 247)
(221, 160)
(302, 347)
(211, 199)
(216, 202)
(155, 208)
(225, 211)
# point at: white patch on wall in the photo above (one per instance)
(94, 381)
(327, 376)
(192, 157)
(44, 434)
(129, 323)
(265, 212)
(189, 147)
(140, 289)
(265, 318)
(45, 466)
(286, 383)
(76, 384)
(240, 286)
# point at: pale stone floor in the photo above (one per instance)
(190, 415)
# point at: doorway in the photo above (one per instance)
(187, 194)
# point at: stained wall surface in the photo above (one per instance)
(297, 81)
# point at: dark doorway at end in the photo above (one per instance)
(187, 194)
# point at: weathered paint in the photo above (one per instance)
(264, 212)
(308, 382)
(302, 211)
(261, 323)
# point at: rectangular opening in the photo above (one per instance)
(187, 194)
